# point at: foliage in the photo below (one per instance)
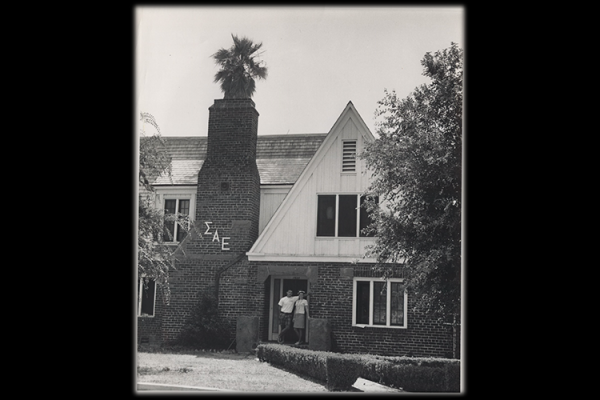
(414, 374)
(239, 67)
(154, 158)
(414, 378)
(204, 329)
(417, 168)
(305, 362)
(340, 371)
(155, 256)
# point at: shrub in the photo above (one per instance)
(337, 371)
(453, 377)
(340, 371)
(304, 362)
(204, 329)
(414, 374)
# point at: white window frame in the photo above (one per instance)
(371, 303)
(179, 193)
(140, 292)
(337, 216)
(176, 225)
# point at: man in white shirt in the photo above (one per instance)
(286, 307)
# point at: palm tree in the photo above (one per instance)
(239, 67)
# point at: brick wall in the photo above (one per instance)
(227, 214)
(186, 282)
(239, 292)
(422, 337)
(150, 328)
(228, 192)
(242, 294)
(331, 298)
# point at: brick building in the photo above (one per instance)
(279, 212)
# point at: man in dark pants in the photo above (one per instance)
(286, 307)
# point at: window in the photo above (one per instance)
(365, 217)
(174, 232)
(379, 303)
(341, 215)
(326, 216)
(349, 156)
(347, 215)
(146, 297)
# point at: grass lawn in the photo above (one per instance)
(229, 371)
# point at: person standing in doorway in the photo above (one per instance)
(286, 307)
(300, 315)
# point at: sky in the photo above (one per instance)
(318, 59)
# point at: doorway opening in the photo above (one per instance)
(279, 287)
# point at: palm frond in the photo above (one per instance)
(222, 56)
(239, 67)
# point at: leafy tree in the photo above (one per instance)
(417, 165)
(239, 67)
(154, 255)
(154, 158)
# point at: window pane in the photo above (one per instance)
(181, 233)
(170, 206)
(379, 303)
(184, 208)
(169, 230)
(347, 216)
(397, 307)
(362, 302)
(365, 217)
(326, 216)
(148, 298)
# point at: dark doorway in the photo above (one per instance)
(280, 287)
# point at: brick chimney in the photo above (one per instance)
(228, 195)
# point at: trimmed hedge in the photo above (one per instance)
(305, 362)
(340, 371)
(414, 374)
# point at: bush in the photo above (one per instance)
(204, 329)
(336, 371)
(414, 374)
(304, 362)
(340, 371)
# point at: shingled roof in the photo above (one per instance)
(280, 158)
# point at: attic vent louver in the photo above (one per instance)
(349, 156)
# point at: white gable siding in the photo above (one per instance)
(292, 232)
(270, 199)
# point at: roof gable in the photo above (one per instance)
(316, 177)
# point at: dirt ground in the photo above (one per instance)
(227, 370)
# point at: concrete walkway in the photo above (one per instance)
(159, 387)
(361, 384)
